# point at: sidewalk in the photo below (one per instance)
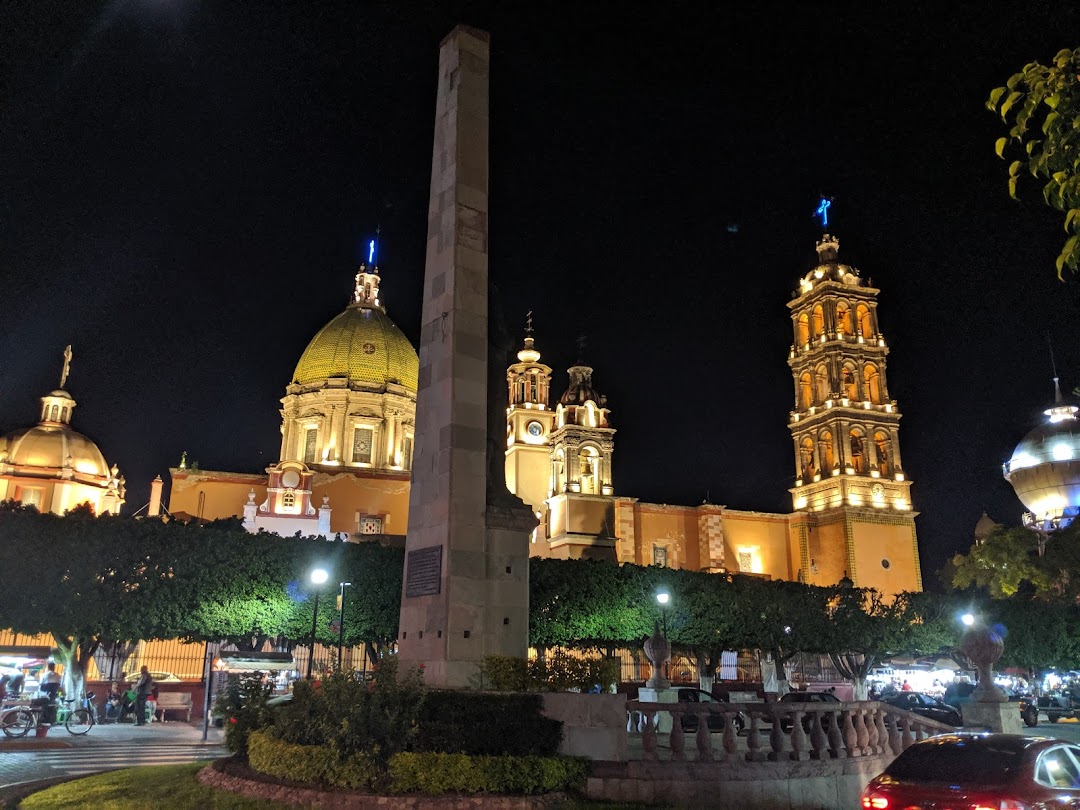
(153, 733)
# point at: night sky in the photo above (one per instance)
(186, 189)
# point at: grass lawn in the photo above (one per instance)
(171, 786)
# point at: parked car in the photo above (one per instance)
(926, 706)
(817, 698)
(716, 720)
(1055, 707)
(980, 770)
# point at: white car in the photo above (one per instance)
(159, 677)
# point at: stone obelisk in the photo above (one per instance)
(465, 588)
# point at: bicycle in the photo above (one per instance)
(17, 722)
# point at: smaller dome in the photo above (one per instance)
(581, 388)
(53, 447)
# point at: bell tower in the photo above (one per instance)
(852, 500)
(529, 420)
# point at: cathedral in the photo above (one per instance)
(347, 427)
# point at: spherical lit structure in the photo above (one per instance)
(1044, 469)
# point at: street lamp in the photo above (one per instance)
(318, 577)
(968, 619)
(662, 599)
(341, 622)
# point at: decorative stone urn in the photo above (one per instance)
(984, 646)
(658, 651)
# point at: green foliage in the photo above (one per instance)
(1001, 563)
(1038, 634)
(435, 774)
(319, 764)
(506, 673)
(486, 723)
(243, 705)
(377, 718)
(1041, 106)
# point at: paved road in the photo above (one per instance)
(105, 748)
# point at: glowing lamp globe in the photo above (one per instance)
(1044, 469)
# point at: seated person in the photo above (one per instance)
(113, 701)
(151, 705)
(127, 704)
(50, 682)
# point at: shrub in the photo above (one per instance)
(486, 723)
(434, 773)
(506, 673)
(243, 705)
(377, 718)
(320, 764)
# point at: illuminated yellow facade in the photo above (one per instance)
(853, 514)
(347, 422)
(55, 468)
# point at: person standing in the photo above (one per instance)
(50, 682)
(143, 689)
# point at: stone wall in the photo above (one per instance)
(594, 726)
(813, 785)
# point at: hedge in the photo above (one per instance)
(486, 724)
(430, 773)
(435, 774)
(310, 763)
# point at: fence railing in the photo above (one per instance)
(759, 732)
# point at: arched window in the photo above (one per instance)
(802, 329)
(859, 461)
(825, 451)
(64, 415)
(866, 326)
(806, 391)
(821, 384)
(54, 413)
(849, 385)
(806, 459)
(884, 453)
(560, 471)
(872, 383)
(843, 319)
(590, 471)
(819, 321)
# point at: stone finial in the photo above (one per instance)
(984, 646)
(658, 651)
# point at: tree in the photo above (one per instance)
(1001, 563)
(1038, 635)
(865, 627)
(1041, 104)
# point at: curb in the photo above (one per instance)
(16, 746)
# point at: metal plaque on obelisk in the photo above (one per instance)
(465, 592)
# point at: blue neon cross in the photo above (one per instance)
(823, 209)
(371, 252)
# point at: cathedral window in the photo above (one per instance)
(659, 556)
(590, 464)
(850, 384)
(884, 453)
(819, 321)
(866, 325)
(858, 453)
(406, 452)
(825, 451)
(54, 413)
(806, 392)
(64, 415)
(843, 319)
(872, 379)
(806, 457)
(363, 441)
(802, 334)
(311, 436)
(821, 385)
(288, 501)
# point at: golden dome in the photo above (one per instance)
(53, 446)
(364, 345)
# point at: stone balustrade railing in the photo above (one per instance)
(777, 731)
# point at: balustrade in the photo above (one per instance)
(797, 731)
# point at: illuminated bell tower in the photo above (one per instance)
(528, 426)
(851, 496)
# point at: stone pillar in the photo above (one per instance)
(154, 509)
(465, 588)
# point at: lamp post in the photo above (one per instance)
(662, 599)
(341, 623)
(318, 577)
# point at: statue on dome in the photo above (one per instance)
(67, 365)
